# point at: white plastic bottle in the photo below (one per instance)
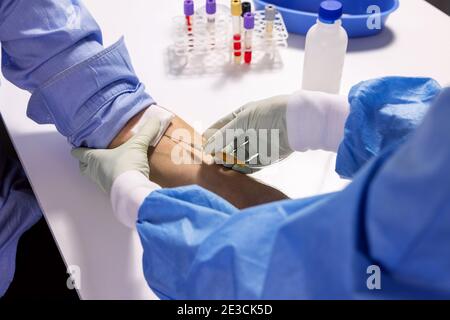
(325, 50)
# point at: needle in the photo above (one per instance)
(192, 145)
(221, 156)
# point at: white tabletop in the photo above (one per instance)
(416, 43)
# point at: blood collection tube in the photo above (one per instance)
(211, 9)
(236, 12)
(246, 7)
(249, 25)
(189, 13)
(270, 13)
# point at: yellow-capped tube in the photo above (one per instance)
(236, 12)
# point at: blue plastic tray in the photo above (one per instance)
(300, 15)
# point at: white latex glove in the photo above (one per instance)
(304, 121)
(104, 166)
(265, 114)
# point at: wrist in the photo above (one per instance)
(126, 133)
(139, 120)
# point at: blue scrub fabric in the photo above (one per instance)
(383, 112)
(53, 49)
(19, 211)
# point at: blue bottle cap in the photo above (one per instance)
(330, 11)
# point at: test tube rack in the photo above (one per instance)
(206, 48)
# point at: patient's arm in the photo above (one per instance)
(239, 189)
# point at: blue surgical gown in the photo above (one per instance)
(395, 215)
(53, 49)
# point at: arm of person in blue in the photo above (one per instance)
(384, 112)
(53, 49)
(384, 236)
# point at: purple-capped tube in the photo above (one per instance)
(211, 9)
(189, 13)
(249, 26)
(188, 7)
(249, 21)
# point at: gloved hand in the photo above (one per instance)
(104, 166)
(265, 114)
(305, 120)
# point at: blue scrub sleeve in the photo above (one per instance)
(197, 245)
(18, 212)
(383, 113)
(53, 49)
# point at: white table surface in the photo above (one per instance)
(416, 43)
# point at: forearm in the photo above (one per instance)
(241, 190)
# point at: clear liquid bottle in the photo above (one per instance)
(325, 50)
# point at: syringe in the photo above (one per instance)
(222, 158)
(270, 14)
(236, 12)
(249, 25)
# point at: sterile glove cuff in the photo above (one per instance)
(128, 192)
(316, 120)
